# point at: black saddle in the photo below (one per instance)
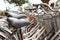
(15, 14)
(18, 23)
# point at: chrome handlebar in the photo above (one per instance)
(48, 7)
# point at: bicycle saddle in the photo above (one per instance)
(15, 14)
(18, 23)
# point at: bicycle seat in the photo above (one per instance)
(15, 14)
(18, 23)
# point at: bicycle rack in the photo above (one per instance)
(35, 36)
(56, 36)
(32, 30)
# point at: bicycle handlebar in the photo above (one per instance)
(49, 7)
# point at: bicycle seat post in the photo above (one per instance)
(19, 33)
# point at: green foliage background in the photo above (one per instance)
(19, 2)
